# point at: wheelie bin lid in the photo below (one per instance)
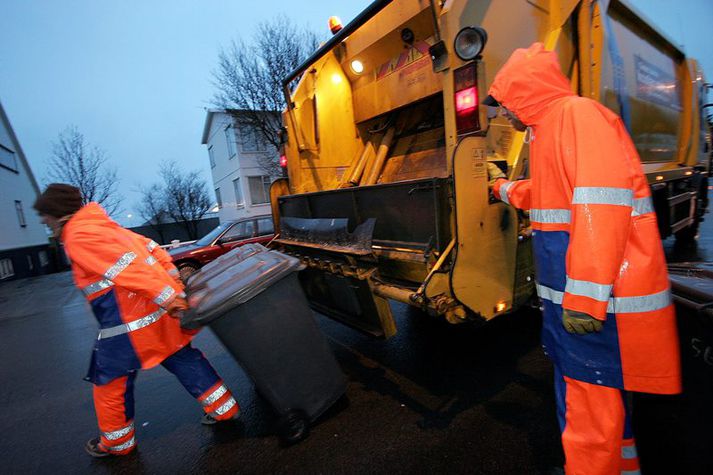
(222, 263)
(236, 285)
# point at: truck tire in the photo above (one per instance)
(186, 270)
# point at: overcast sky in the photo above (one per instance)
(134, 75)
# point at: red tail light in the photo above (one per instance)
(466, 99)
(283, 161)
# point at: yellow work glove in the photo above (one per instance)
(494, 174)
(580, 323)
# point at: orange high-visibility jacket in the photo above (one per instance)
(127, 279)
(595, 238)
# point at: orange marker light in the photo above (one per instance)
(335, 24)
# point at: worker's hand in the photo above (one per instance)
(494, 174)
(580, 323)
(176, 306)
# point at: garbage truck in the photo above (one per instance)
(385, 148)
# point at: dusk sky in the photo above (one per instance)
(134, 76)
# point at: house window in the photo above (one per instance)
(211, 156)
(252, 140)
(259, 189)
(7, 158)
(218, 198)
(230, 139)
(6, 268)
(239, 200)
(20, 214)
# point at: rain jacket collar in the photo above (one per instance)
(92, 213)
(529, 82)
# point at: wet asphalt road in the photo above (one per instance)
(435, 398)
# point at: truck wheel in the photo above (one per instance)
(186, 270)
(293, 427)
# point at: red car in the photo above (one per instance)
(223, 238)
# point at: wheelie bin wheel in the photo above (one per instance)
(293, 427)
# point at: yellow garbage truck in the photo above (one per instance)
(386, 146)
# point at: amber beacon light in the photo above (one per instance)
(335, 24)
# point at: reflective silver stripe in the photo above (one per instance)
(173, 271)
(550, 216)
(215, 395)
(165, 294)
(588, 289)
(151, 246)
(546, 293)
(124, 446)
(504, 191)
(643, 303)
(151, 260)
(600, 195)
(628, 452)
(642, 206)
(225, 407)
(630, 472)
(131, 326)
(120, 265)
(117, 434)
(97, 286)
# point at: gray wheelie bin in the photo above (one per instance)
(217, 266)
(257, 308)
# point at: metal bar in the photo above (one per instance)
(434, 16)
(392, 292)
(683, 197)
(681, 224)
(397, 249)
(437, 266)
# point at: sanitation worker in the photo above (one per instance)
(135, 293)
(609, 324)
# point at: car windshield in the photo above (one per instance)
(210, 237)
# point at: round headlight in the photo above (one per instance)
(470, 42)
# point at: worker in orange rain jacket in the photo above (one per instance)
(134, 292)
(609, 325)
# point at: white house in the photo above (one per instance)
(241, 185)
(23, 239)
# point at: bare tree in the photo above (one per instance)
(78, 163)
(152, 208)
(186, 197)
(249, 79)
